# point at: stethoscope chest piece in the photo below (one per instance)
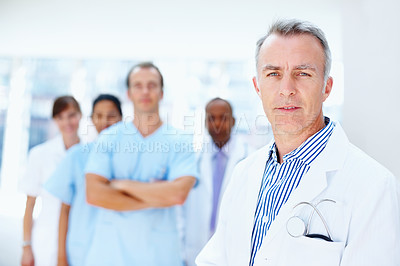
(295, 226)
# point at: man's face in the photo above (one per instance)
(219, 121)
(290, 82)
(145, 90)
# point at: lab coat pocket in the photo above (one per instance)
(311, 252)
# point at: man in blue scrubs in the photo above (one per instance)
(137, 172)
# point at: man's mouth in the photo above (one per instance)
(288, 108)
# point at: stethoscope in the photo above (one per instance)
(296, 227)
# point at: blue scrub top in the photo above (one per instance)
(145, 237)
(68, 184)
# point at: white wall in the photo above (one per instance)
(222, 29)
(372, 78)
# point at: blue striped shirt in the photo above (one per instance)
(279, 180)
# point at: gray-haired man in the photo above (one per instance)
(309, 197)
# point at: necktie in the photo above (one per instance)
(220, 160)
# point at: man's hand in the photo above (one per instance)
(119, 184)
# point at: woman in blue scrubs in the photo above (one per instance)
(68, 184)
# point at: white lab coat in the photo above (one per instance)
(198, 207)
(42, 162)
(364, 221)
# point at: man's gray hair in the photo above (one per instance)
(297, 27)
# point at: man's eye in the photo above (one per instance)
(272, 74)
(304, 74)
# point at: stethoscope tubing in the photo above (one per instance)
(315, 209)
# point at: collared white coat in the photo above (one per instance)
(198, 207)
(364, 221)
(42, 162)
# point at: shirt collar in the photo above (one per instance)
(272, 154)
(225, 149)
(59, 144)
(299, 153)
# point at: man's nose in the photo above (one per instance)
(287, 86)
(146, 89)
(217, 125)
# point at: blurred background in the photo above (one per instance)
(204, 49)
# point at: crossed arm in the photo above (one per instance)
(125, 195)
(158, 194)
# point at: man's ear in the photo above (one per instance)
(255, 83)
(328, 88)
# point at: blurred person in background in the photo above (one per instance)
(137, 172)
(77, 217)
(40, 236)
(221, 151)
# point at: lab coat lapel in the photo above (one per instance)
(59, 148)
(254, 177)
(206, 166)
(232, 160)
(236, 152)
